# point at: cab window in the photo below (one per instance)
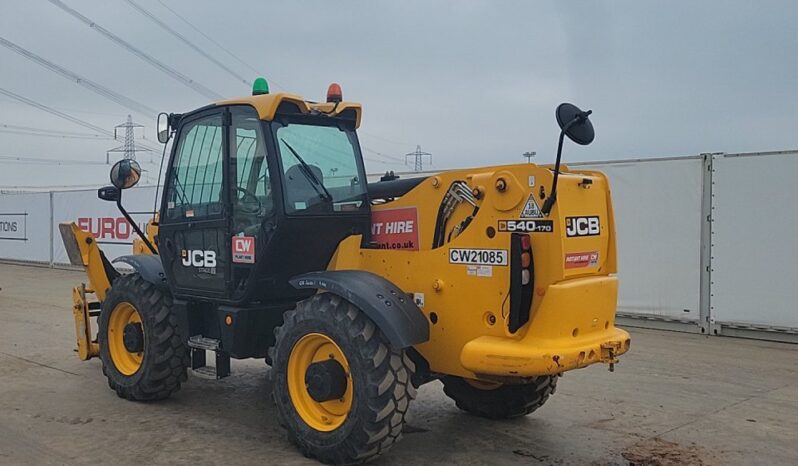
(320, 168)
(194, 189)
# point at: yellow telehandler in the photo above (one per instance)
(270, 243)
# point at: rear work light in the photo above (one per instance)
(522, 280)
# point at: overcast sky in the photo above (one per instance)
(472, 82)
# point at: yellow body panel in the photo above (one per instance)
(266, 105)
(88, 255)
(87, 347)
(470, 333)
(83, 250)
(139, 246)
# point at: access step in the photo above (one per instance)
(199, 345)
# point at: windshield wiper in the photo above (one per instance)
(309, 174)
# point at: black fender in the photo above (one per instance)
(148, 266)
(389, 307)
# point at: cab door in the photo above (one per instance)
(194, 225)
(253, 221)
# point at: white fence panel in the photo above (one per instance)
(101, 218)
(657, 207)
(755, 240)
(25, 227)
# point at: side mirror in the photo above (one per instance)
(163, 128)
(575, 123)
(109, 193)
(125, 174)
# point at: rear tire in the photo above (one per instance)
(499, 401)
(157, 371)
(368, 419)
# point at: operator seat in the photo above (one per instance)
(299, 190)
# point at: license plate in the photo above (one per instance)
(478, 256)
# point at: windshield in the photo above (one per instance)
(320, 169)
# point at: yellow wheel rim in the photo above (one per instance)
(482, 385)
(323, 416)
(125, 362)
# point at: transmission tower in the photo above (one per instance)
(529, 156)
(129, 147)
(418, 159)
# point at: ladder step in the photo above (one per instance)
(205, 343)
(206, 372)
(199, 364)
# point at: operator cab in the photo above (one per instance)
(259, 190)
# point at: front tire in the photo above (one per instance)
(364, 415)
(498, 401)
(142, 353)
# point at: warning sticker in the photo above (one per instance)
(244, 249)
(531, 209)
(479, 270)
(395, 228)
(575, 260)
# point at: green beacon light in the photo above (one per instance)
(260, 87)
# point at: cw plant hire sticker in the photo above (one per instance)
(244, 249)
(575, 260)
(395, 228)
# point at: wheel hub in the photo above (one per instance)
(326, 380)
(319, 382)
(125, 338)
(133, 337)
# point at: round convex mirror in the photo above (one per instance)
(125, 173)
(581, 130)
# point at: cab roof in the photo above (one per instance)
(267, 105)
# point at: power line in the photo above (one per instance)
(400, 143)
(87, 112)
(80, 80)
(63, 115)
(63, 136)
(389, 157)
(50, 131)
(139, 53)
(210, 39)
(45, 108)
(185, 40)
(43, 161)
(381, 161)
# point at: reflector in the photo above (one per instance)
(525, 243)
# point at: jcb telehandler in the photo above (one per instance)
(269, 243)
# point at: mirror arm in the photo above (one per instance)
(549, 202)
(134, 225)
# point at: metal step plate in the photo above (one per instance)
(201, 342)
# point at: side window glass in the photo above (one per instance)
(195, 187)
(253, 196)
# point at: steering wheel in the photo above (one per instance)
(247, 206)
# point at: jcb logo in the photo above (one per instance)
(582, 226)
(199, 258)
